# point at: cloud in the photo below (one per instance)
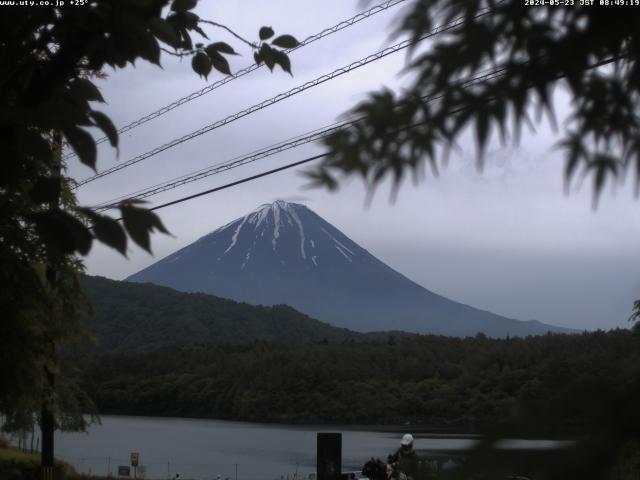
(507, 239)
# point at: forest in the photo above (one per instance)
(467, 384)
(135, 316)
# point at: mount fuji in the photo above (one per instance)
(284, 253)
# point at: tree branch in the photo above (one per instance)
(219, 25)
(177, 54)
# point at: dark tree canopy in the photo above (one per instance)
(592, 52)
(48, 56)
(48, 59)
(583, 386)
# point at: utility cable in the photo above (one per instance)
(220, 167)
(325, 154)
(282, 96)
(243, 180)
(263, 174)
(248, 69)
(254, 156)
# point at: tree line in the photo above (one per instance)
(459, 383)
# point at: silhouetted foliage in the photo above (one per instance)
(48, 59)
(520, 53)
(489, 74)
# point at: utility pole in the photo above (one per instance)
(47, 425)
(47, 419)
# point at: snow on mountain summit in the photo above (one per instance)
(281, 224)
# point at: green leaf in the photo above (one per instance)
(83, 144)
(182, 5)
(62, 231)
(221, 47)
(201, 64)
(200, 31)
(31, 143)
(266, 53)
(604, 165)
(139, 223)
(635, 316)
(285, 41)
(106, 125)
(258, 58)
(219, 63)
(265, 33)
(46, 189)
(282, 59)
(182, 22)
(482, 133)
(164, 32)
(108, 230)
(85, 90)
(148, 47)
(575, 154)
(186, 43)
(190, 20)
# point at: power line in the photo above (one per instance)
(235, 162)
(282, 96)
(287, 166)
(263, 174)
(271, 150)
(248, 69)
(243, 180)
(254, 108)
(498, 72)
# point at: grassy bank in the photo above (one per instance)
(18, 465)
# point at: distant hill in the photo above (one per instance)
(283, 253)
(429, 380)
(134, 316)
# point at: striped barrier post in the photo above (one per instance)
(46, 473)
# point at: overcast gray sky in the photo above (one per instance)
(507, 240)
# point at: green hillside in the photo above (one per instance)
(430, 380)
(134, 316)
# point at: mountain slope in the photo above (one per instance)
(129, 316)
(283, 253)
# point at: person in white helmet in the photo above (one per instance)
(406, 445)
(405, 457)
(406, 449)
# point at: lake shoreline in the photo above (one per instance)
(418, 430)
(205, 448)
(436, 430)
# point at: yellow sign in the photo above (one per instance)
(134, 459)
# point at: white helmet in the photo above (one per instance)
(407, 440)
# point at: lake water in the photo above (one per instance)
(203, 449)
